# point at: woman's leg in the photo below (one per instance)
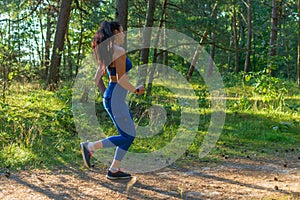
(124, 122)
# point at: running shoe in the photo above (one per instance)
(117, 175)
(86, 154)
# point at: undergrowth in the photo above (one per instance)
(37, 128)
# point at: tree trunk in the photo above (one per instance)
(248, 54)
(253, 53)
(47, 44)
(42, 73)
(122, 13)
(5, 64)
(38, 49)
(229, 58)
(142, 71)
(79, 44)
(212, 56)
(197, 53)
(235, 40)
(166, 55)
(155, 56)
(273, 35)
(69, 64)
(61, 27)
(298, 43)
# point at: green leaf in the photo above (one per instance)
(10, 76)
(247, 78)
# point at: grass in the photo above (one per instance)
(256, 133)
(37, 129)
(263, 131)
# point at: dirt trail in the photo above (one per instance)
(231, 179)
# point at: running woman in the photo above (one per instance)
(113, 61)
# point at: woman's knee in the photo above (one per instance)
(128, 143)
(130, 139)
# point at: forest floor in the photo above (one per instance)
(230, 178)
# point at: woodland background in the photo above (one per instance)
(46, 40)
(254, 44)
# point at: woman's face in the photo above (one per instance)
(119, 36)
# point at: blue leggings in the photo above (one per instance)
(122, 119)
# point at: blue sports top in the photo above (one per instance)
(111, 71)
(114, 87)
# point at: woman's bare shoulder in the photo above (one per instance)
(118, 51)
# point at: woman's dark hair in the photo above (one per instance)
(104, 54)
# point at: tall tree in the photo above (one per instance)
(80, 42)
(273, 35)
(235, 39)
(46, 61)
(212, 56)
(69, 67)
(199, 47)
(158, 39)
(298, 43)
(61, 28)
(142, 71)
(122, 13)
(249, 19)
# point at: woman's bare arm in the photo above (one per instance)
(98, 80)
(120, 64)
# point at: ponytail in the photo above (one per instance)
(106, 30)
(103, 52)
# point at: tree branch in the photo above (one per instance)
(79, 7)
(23, 18)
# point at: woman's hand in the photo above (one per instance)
(140, 90)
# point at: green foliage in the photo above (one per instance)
(34, 123)
(263, 110)
(37, 127)
(232, 79)
(24, 39)
(257, 90)
(270, 88)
